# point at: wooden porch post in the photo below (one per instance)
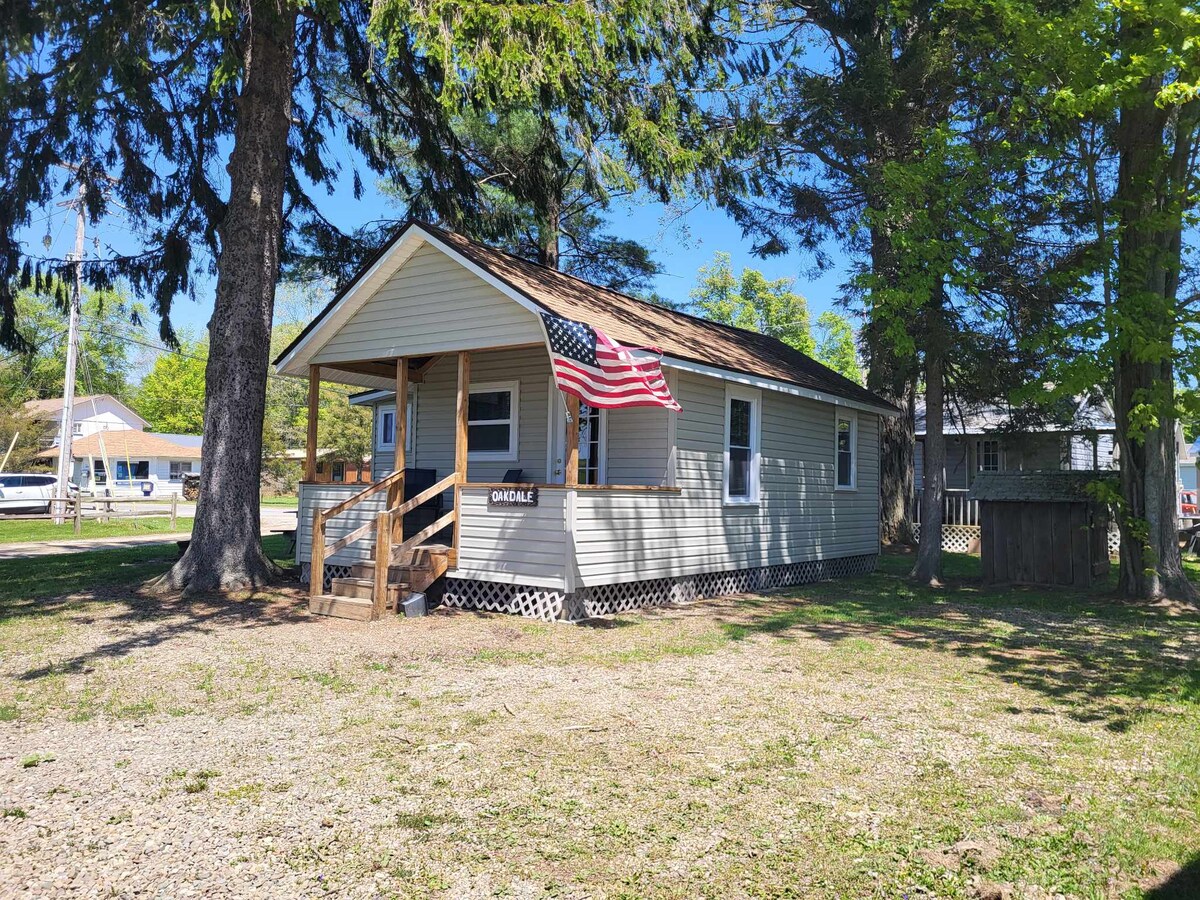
(396, 491)
(314, 400)
(571, 457)
(460, 431)
(460, 442)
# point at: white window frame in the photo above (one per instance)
(845, 415)
(754, 482)
(979, 455)
(513, 422)
(384, 408)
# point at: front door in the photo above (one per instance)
(592, 425)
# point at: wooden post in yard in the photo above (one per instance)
(460, 438)
(174, 510)
(314, 400)
(400, 434)
(78, 516)
(383, 559)
(571, 456)
(316, 565)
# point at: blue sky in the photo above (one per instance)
(682, 238)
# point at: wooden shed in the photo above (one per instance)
(1042, 528)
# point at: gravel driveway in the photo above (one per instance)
(246, 749)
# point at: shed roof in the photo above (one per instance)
(1036, 487)
(631, 321)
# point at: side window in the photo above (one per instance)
(492, 422)
(742, 462)
(988, 454)
(846, 441)
(10, 481)
(387, 427)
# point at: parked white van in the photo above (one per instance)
(28, 492)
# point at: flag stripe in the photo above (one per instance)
(601, 372)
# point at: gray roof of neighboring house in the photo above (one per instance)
(1084, 413)
(1035, 487)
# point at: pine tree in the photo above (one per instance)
(159, 105)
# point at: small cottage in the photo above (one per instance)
(1043, 528)
(762, 471)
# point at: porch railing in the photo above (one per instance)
(387, 528)
(956, 508)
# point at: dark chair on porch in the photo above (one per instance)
(415, 481)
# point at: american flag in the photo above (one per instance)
(601, 372)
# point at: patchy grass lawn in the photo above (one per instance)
(285, 500)
(22, 530)
(856, 739)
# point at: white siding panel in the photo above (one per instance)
(624, 536)
(520, 545)
(324, 496)
(431, 305)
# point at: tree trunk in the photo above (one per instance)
(1155, 145)
(226, 547)
(893, 379)
(928, 567)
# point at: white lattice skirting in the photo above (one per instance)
(550, 604)
(331, 572)
(955, 538)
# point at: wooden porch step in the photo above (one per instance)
(341, 607)
(364, 589)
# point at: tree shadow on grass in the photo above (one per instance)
(113, 589)
(1102, 659)
(1183, 884)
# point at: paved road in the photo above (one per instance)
(273, 517)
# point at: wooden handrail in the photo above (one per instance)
(426, 532)
(658, 488)
(425, 496)
(344, 542)
(382, 484)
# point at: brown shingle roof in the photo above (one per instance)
(1036, 487)
(636, 322)
(127, 443)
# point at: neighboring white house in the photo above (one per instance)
(132, 463)
(92, 413)
(768, 477)
(1189, 458)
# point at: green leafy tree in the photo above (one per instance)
(205, 120)
(835, 345)
(107, 322)
(343, 429)
(753, 302)
(1114, 91)
(171, 395)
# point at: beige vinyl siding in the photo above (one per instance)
(436, 398)
(513, 544)
(324, 496)
(625, 536)
(638, 445)
(431, 305)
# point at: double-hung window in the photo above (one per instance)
(742, 425)
(179, 469)
(846, 450)
(987, 454)
(492, 421)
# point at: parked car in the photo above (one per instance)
(29, 492)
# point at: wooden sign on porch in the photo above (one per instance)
(513, 496)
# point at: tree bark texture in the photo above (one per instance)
(892, 377)
(225, 552)
(1155, 144)
(928, 567)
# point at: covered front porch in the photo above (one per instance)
(455, 435)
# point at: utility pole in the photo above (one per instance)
(65, 457)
